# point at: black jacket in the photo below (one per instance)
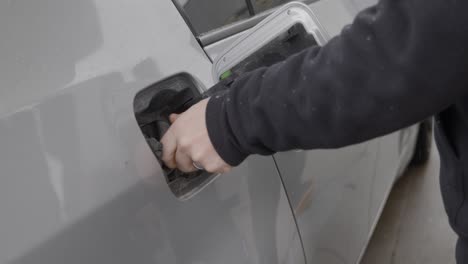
(398, 63)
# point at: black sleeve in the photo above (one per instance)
(398, 63)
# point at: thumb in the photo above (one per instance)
(173, 117)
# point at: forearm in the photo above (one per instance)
(397, 64)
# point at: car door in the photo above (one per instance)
(334, 213)
(395, 150)
(80, 184)
(330, 191)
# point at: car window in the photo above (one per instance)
(263, 5)
(207, 15)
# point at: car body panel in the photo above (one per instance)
(391, 162)
(79, 183)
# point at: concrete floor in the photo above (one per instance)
(414, 228)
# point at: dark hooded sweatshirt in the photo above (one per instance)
(397, 64)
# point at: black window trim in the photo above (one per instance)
(223, 32)
(250, 7)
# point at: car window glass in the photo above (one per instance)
(263, 5)
(206, 15)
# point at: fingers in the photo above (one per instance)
(187, 141)
(184, 162)
(169, 149)
(213, 163)
(216, 166)
(182, 157)
(210, 160)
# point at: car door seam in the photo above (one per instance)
(291, 208)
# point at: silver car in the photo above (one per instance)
(85, 87)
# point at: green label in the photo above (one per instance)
(225, 75)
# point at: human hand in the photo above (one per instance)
(187, 143)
